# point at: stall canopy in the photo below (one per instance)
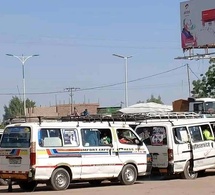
(146, 108)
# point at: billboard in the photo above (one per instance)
(197, 24)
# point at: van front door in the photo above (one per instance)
(203, 150)
(130, 150)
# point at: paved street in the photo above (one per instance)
(203, 186)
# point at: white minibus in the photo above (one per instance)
(59, 153)
(178, 146)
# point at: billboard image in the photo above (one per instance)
(197, 24)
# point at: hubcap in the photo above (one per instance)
(129, 175)
(61, 180)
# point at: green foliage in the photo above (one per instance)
(155, 100)
(205, 87)
(2, 126)
(15, 107)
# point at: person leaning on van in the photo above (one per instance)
(207, 135)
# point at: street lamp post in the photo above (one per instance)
(23, 59)
(126, 76)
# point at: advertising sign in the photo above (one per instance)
(197, 24)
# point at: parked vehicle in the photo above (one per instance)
(2, 181)
(58, 153)
(203, 106)
(178, 146)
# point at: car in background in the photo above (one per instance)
(2, 181)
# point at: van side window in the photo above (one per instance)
(70, 137)
(195, 133)
(105, 137)
(50, 138)
(207, 132)
(180, 135)
(96, 137)
(153, 135)
(126, 136)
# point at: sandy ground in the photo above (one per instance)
(204, 185)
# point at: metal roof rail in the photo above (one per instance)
(23, 119)
(174, 115)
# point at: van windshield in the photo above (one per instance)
(16, 137)
(154, 135)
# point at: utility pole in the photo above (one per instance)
(188, 77)
(71, 90)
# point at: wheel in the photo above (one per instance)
(188, 173)
(27, 186)
(60, 179)
(128, 175)
(3, 182)
(95, 182)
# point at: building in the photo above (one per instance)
(61, 110)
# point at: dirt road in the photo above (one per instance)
(155, 186)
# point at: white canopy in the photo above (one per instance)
(146, 108)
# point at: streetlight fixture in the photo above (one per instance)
(126, 76)
(23, 59)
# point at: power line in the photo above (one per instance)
(99, 87)
(193, 72)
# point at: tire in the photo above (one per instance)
(95, 182)
(188, 173)
(28, 186)
(3, 182)
(128, 175)
(60, 179)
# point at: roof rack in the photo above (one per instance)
(139, 117)
(174, 115)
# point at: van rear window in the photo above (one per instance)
(154, 135)
(16, 137)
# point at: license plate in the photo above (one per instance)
(15, 161)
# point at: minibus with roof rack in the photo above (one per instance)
(178, 146)
(58, 153)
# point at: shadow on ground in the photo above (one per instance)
(140, 180)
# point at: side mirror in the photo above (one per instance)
(138, 142)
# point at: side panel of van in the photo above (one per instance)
(98, 157)
(155, 138)
(203, 150)
(57, 147)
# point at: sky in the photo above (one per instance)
(75, 41)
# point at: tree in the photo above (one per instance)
(205, 87)
(15, 107)
(155, 100)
